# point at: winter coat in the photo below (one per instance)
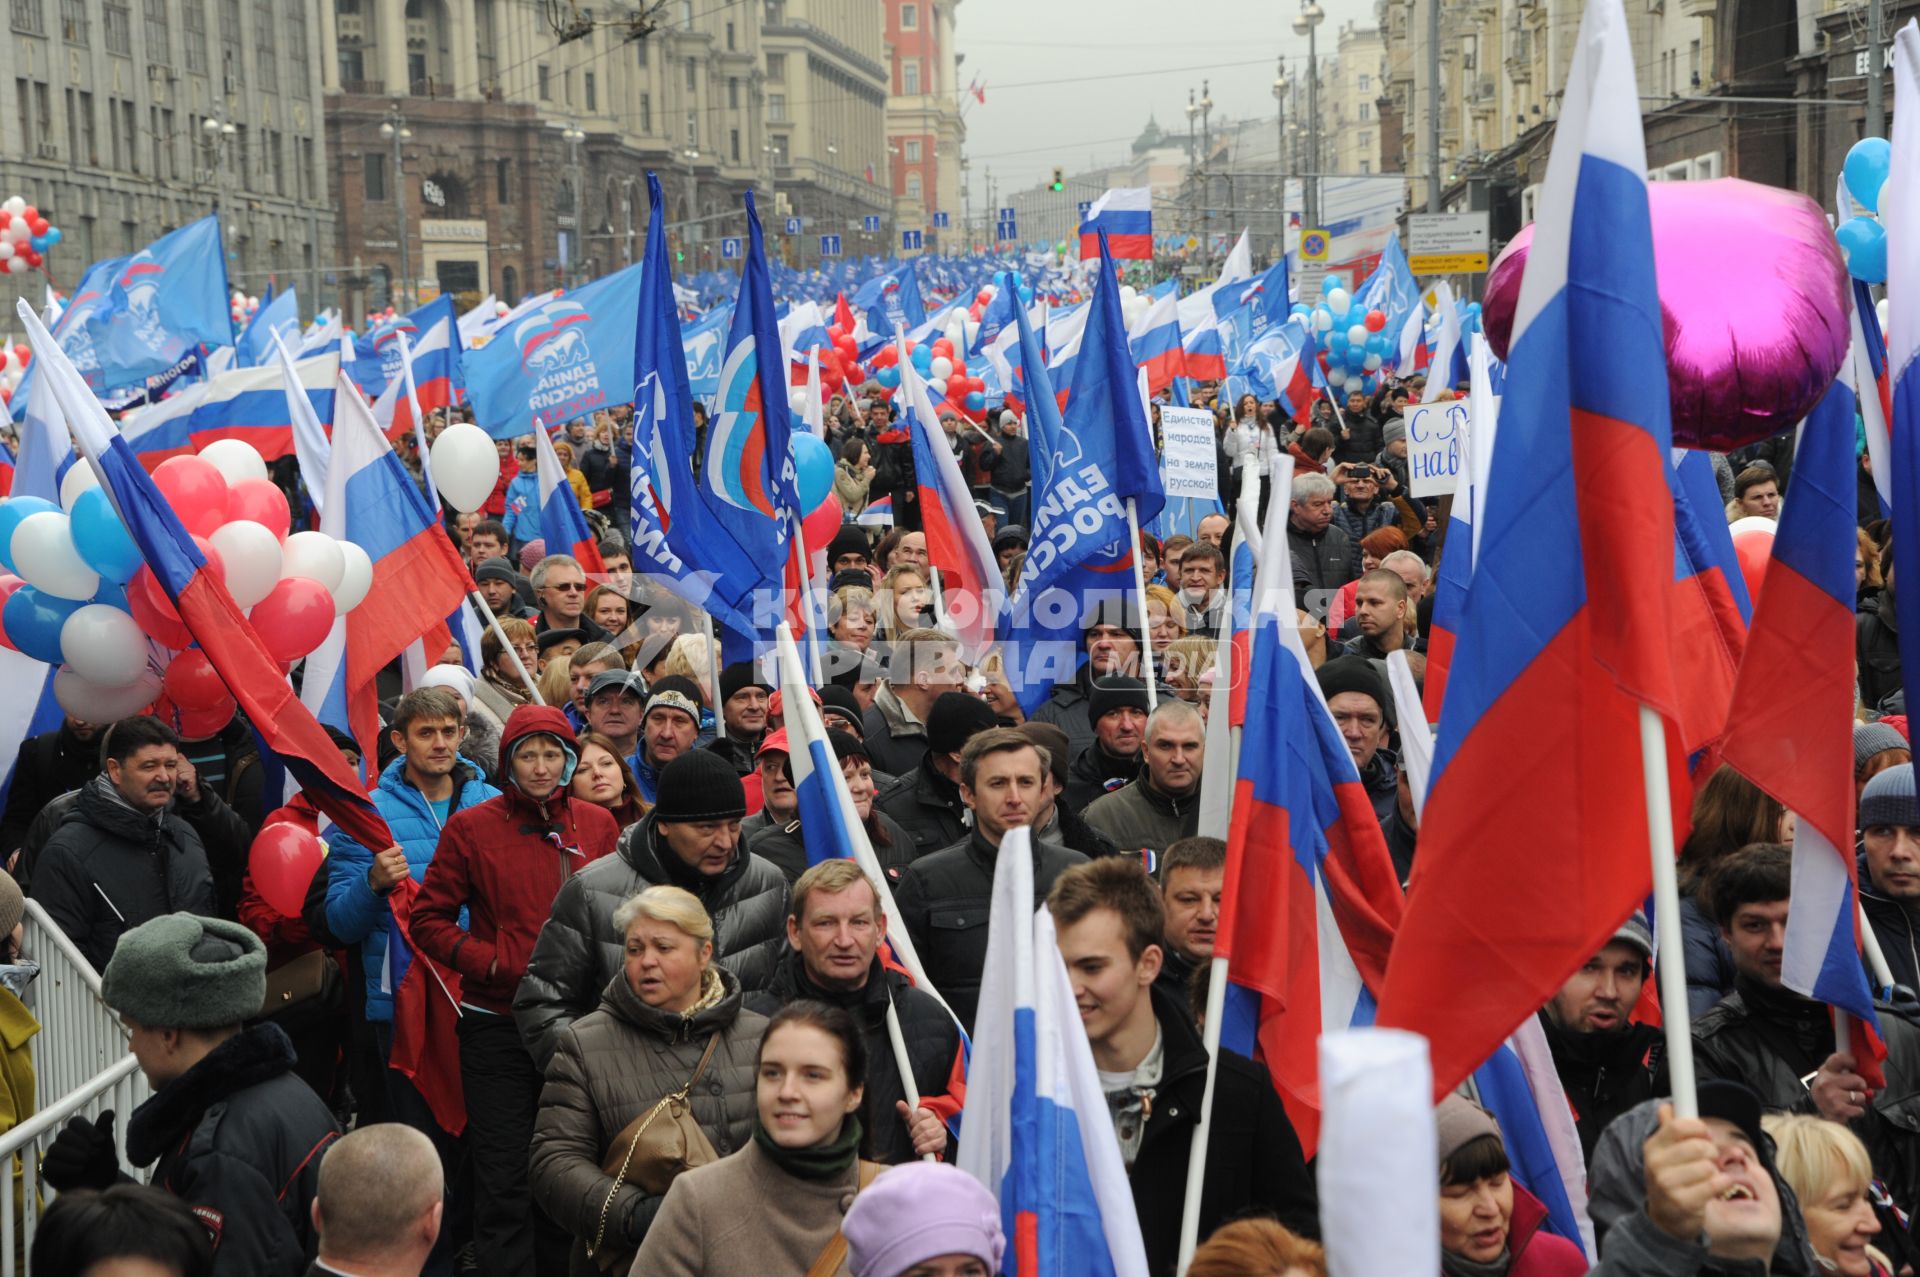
(927, 805)
(1894, 925)
(1010, 469)
(785, 847)
(743, 1216)
(358, 914)
(1093, 774)
(579, 950)
(522, 519)
(108, 868)
(48, 765)
(503, 862)
(1605, 1074)
(893, 474)
(929, 1032)
(1383, 513)
(1709, 961)
(1361, 440)
(851, 487)
(1139, 817)
(239, 1139)
(611, 1066)
(1876, 649)
(943, 901)
(1534, 1252)
(1329, 558)
(1069, 709)
(1254, 1161)
(896, 741)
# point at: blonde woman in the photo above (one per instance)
(577, 481)
(1827, 1167)
(692, 656)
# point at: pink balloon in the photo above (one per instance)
(192, 683)
(1753, 295)
(196, 491)
(294, 618)
(260, 501)
(1754, 549)
(8, 584)
(283, 860)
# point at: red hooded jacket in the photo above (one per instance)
(504, 861)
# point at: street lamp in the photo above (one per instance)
(573, 137)
(1311, 15)
(220, 135)
(1280, 86)
(1206, 156)
(394, 128)
(1193, 160)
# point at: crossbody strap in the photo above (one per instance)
(835, 1252)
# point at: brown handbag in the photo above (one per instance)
(650, 1151)
(311, 975)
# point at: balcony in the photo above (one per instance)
(367, 88)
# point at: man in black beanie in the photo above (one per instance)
(925, 801)
(690, 839)
(1110, 640)
(849, 550)
(1357, 695)
(1118, 708)
(744, 699)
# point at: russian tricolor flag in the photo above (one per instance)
(1206, 352)
(1277, 364)
(957, 545)
(1038, 1133)
(1125, 213)
(249, 404)
(1866, 366)
(429, 369)
(1155, 340)
(1903, 343)
(563, 525)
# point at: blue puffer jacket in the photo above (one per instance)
(522, 517)
(354, 912)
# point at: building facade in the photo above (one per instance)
(925, 129)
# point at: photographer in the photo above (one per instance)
(1372, 498)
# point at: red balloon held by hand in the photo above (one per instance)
(283, 861)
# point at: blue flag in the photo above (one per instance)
(279, 315)
(705, 341)
(562, 359)
(162, 302)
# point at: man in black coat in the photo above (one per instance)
(1153, 1068)
(48, 765)
(835, 931)
(925, 801)
(229, 1129)
(1607, 1062)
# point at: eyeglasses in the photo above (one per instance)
(571, 587)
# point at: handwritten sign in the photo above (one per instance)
(1436, 445)
(1188, 460)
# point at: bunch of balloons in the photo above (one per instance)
(1353, 343)
(1863, 238)
(78, 595)
(986, 295)
(25, 236)
(13, 366)
(940, 363)
(242, 307)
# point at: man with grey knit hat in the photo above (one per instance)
(230, 1129)
(1876, 747)
(1889, 868)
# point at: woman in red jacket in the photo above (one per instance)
(503, 861)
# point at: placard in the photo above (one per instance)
(1436, 443)
(1189, 460)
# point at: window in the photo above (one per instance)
(195, 14)
(30, 16)
(913, 186)
(353, 64)
(545, 77)
(306, 168)
(119, 24)
(910, 79)
(1693, 63)
(230, 58)
(693, 75)
(277, 161)
(1365, 110)
(733, 144)
(416, 72)
(776, 106)
(730, 36)
(265, 43)
(733, 93)
(646, 112)
(379, 287)
(376, 175)
(909, 17)
(510, 284)
(693, 129)
(776, 12)
(776, 66)
(913, 151)
(779, 145)
(350, 7)
(158, 42)
(121, 135)
(593, 93)
(1366, 138)
(73, 21)
(296, 11)
(1365, 80)
(1366, 166)
(89, 151)
(502, 182)
(240, 154)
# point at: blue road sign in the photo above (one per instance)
(1008, 215)
(730, 247)
(1005, 230)
(829, 246)
(793, 226)
(1086, 207)
(870, 223)
(941, 221)
(910, 241)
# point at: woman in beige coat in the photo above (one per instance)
(644, 1042)
(776, 1205)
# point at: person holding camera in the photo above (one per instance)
(1371, 497)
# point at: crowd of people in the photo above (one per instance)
(683, 1045)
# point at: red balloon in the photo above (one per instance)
(885, 356)
(39, 225)
(957, 386)
(8, 584)
(262, 502)
(284, 858)
(196, 491)
(215, 564)
(192, 682)
(202, 724)
(29, 213)
(294, 618)
(1375, 320)
(1754, 548)
(818, 528)
(942, 346)
(976, 383)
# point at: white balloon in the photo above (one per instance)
(1336, 376)
(355, 581)
(96, 704)
(78, 479)
(104, 645)
(1370, 363)
(16, 265)
(251, 553)
(1357, 335)
(44, 555)
(235, 459)
(314, 555)
(798, 400)
(1752, 523)
(6, 249)
(18, 231)
(942, 368)
(15, 204)
(1323, 320)
(465, 466)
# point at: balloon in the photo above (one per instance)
(1339, 301)
(250, 554)
(44, 554)
(33, 619)
(1865, 170)
(975, 401)
(102, 540)
(798, 401)
(283, 860)
(294, 618)
(93, 703)
(317, 557)
(261, 501)
(196, 491)
(1753, 546)
(957, 386)
(940, 367)
(1754, 301)
(1322, 319)
(150, 607)
(104, 645)
(813, 466)
(203, 724)
(1336, 377)
(1357, 335)
(888, 376)
(1376, 320)
(356, 580)
(1863, 245)
(13, 511)
(78, 479)
(53, 236)
(943, 346)
(465, 466)
(192, 683)
(235, 459)
(1371, 362)
(818, 528)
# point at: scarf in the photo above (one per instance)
(1460, 1266)
(816, 1162)
(1130, 1096)
(508, 685)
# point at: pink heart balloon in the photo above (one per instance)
(1753, 295)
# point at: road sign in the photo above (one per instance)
(1447, 243)
(793, 226)
(1315, 245)
(730, 247)
(829, 246)
(910, 241)
(1005, 231)
(1086, 209)
(870, 223)
(1008, 215)
(941, 221)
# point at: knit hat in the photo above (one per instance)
(531, 553)
(1393, 432)
(1011, 535)
(738, 677)
(1873, 738)
(626, 680)
(675, 691)
(1889, 799)
(1734, 1102)
(13, 905)
(699, 785)
(850, 539)
(1053, 739)
(1355, 674)
(1634, 932)
(839, 703)
(180, 971)
(1457, 1122)
(955, 719)
(846, 745)
(849, 579)
(497, 569)
(454, 678)
(1116, 692)
(917, 1212)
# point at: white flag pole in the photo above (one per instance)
(1666, 908)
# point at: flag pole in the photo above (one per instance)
(713, 675)
(1140, 592)
(1197, 1155)
(1876, 957)
(806, 602)
(1671, 944)
(506, 645)
(904, 1063)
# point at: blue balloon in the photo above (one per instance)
(1328, 283)
(33, 620)
(888, 376)
(976, 401)
(813, 469)
(1377, 344)
(1866, 172)
(113, 596)
(53, 236)
(1336, 341)
(1356, 358)
(101, 539)
(923, 358)
(39, 243)
(1863, 243)
(12, 512)
(1300, 308)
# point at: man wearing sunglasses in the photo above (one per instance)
(560, 592)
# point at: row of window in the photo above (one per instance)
(30, 17)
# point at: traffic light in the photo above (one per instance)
(1059, 183)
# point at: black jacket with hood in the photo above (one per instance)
(927, 805)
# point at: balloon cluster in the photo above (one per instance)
(939, 362)
(1863, 238)
(25, 236)
(1353, 343)
(78, 595)
(13, 366)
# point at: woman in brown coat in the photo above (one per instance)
(645, 1041)
(776, 1205)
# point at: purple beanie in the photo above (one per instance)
(917, 1212)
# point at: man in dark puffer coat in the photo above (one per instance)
(700, 805)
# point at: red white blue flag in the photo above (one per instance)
(1124, 215)
(957, 545)
(563, 524)
(1903, 343)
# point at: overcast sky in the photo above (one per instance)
(1072, 81)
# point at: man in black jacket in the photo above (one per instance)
(1607, 1062)
(229, 1129)
(835, 931)
(1118, 708)
(1153, 1068)
(122, 856)
(1324, 554)
(1890, 868)
(926, 801)
(49, 765)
